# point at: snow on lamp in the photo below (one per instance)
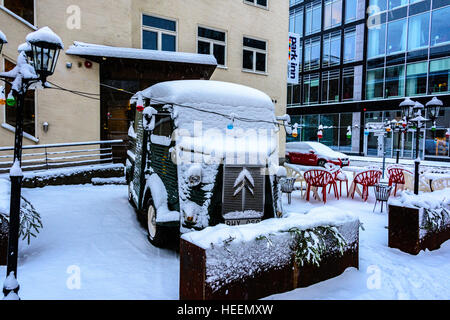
(433, 107)
(406, 107)
(2, 40)
(45, 47)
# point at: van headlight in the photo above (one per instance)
(194, 175)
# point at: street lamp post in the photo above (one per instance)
(44, 46)
(418, 121)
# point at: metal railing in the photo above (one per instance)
(50, 156)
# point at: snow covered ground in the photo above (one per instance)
(92, 231)
(384, 273)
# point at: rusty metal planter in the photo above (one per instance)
(276, 279)
(405, 231)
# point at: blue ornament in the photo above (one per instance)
(366, 133)
(230, 126)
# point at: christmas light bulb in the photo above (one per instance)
(2, 96)
(10, 101)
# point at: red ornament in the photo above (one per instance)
(140, 108)
(88, 64)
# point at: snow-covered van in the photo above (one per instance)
(202, 153)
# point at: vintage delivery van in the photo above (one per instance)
(202, 153)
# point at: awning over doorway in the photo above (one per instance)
(100, 51)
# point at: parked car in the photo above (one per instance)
(183, 170)
(314, 154)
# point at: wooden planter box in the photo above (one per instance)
(406, 234)
(268, 279)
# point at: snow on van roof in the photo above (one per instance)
(208, 93)
(89, 49)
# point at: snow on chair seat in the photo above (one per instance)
(440, 183)
(409, 182)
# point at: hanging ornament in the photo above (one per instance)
(108, 115)
(11, 101)
(231, 124)
(433, 128)
(447, 134)
(2, 96)
(349, 132)
(366, 131)
(320, 132)
(404, 123)
(295, 130)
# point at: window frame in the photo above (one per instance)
(255, 50)
(10, 127)
(212, 42)
(159, 31)
(255, 4)
(18, 17)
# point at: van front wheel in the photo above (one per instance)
(157, 235)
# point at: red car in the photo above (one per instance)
(314, 154)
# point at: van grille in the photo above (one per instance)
(238, 197)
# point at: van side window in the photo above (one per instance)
(163, 126)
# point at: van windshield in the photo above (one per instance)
(163, 126)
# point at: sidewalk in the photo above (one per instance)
(358, 160)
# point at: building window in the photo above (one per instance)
(375, 82)
(397, 3)
(294, 2)
(293, 97)
(211, 41)
(418, 31)
(313, 12)
(259, 3)
(348, 79)
(416, 78)
(332, 13)
(331, 49)
(159, 33)
(395, 81)
(23, 8)
(376, 6)
(377, 41)
(440, 26)
(439, 75)
(350, 45)
(296, 21)
(311, 89)
(396, 37)
(330, 86)
(254, 55)
(29, 107)
(312, 54)
(350, 10)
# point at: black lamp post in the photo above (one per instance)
(406, 107)
(45, 46)
(433, 106)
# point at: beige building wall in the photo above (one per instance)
(119, 23)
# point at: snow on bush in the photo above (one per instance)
(30, 219)
(241, 251)
(434, 208)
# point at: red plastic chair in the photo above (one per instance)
(368, 178)
(320, 179)
(396, 176)
(338, 176)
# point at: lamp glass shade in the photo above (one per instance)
(1, 46)
(45, 55)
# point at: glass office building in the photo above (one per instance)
(360, 59)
